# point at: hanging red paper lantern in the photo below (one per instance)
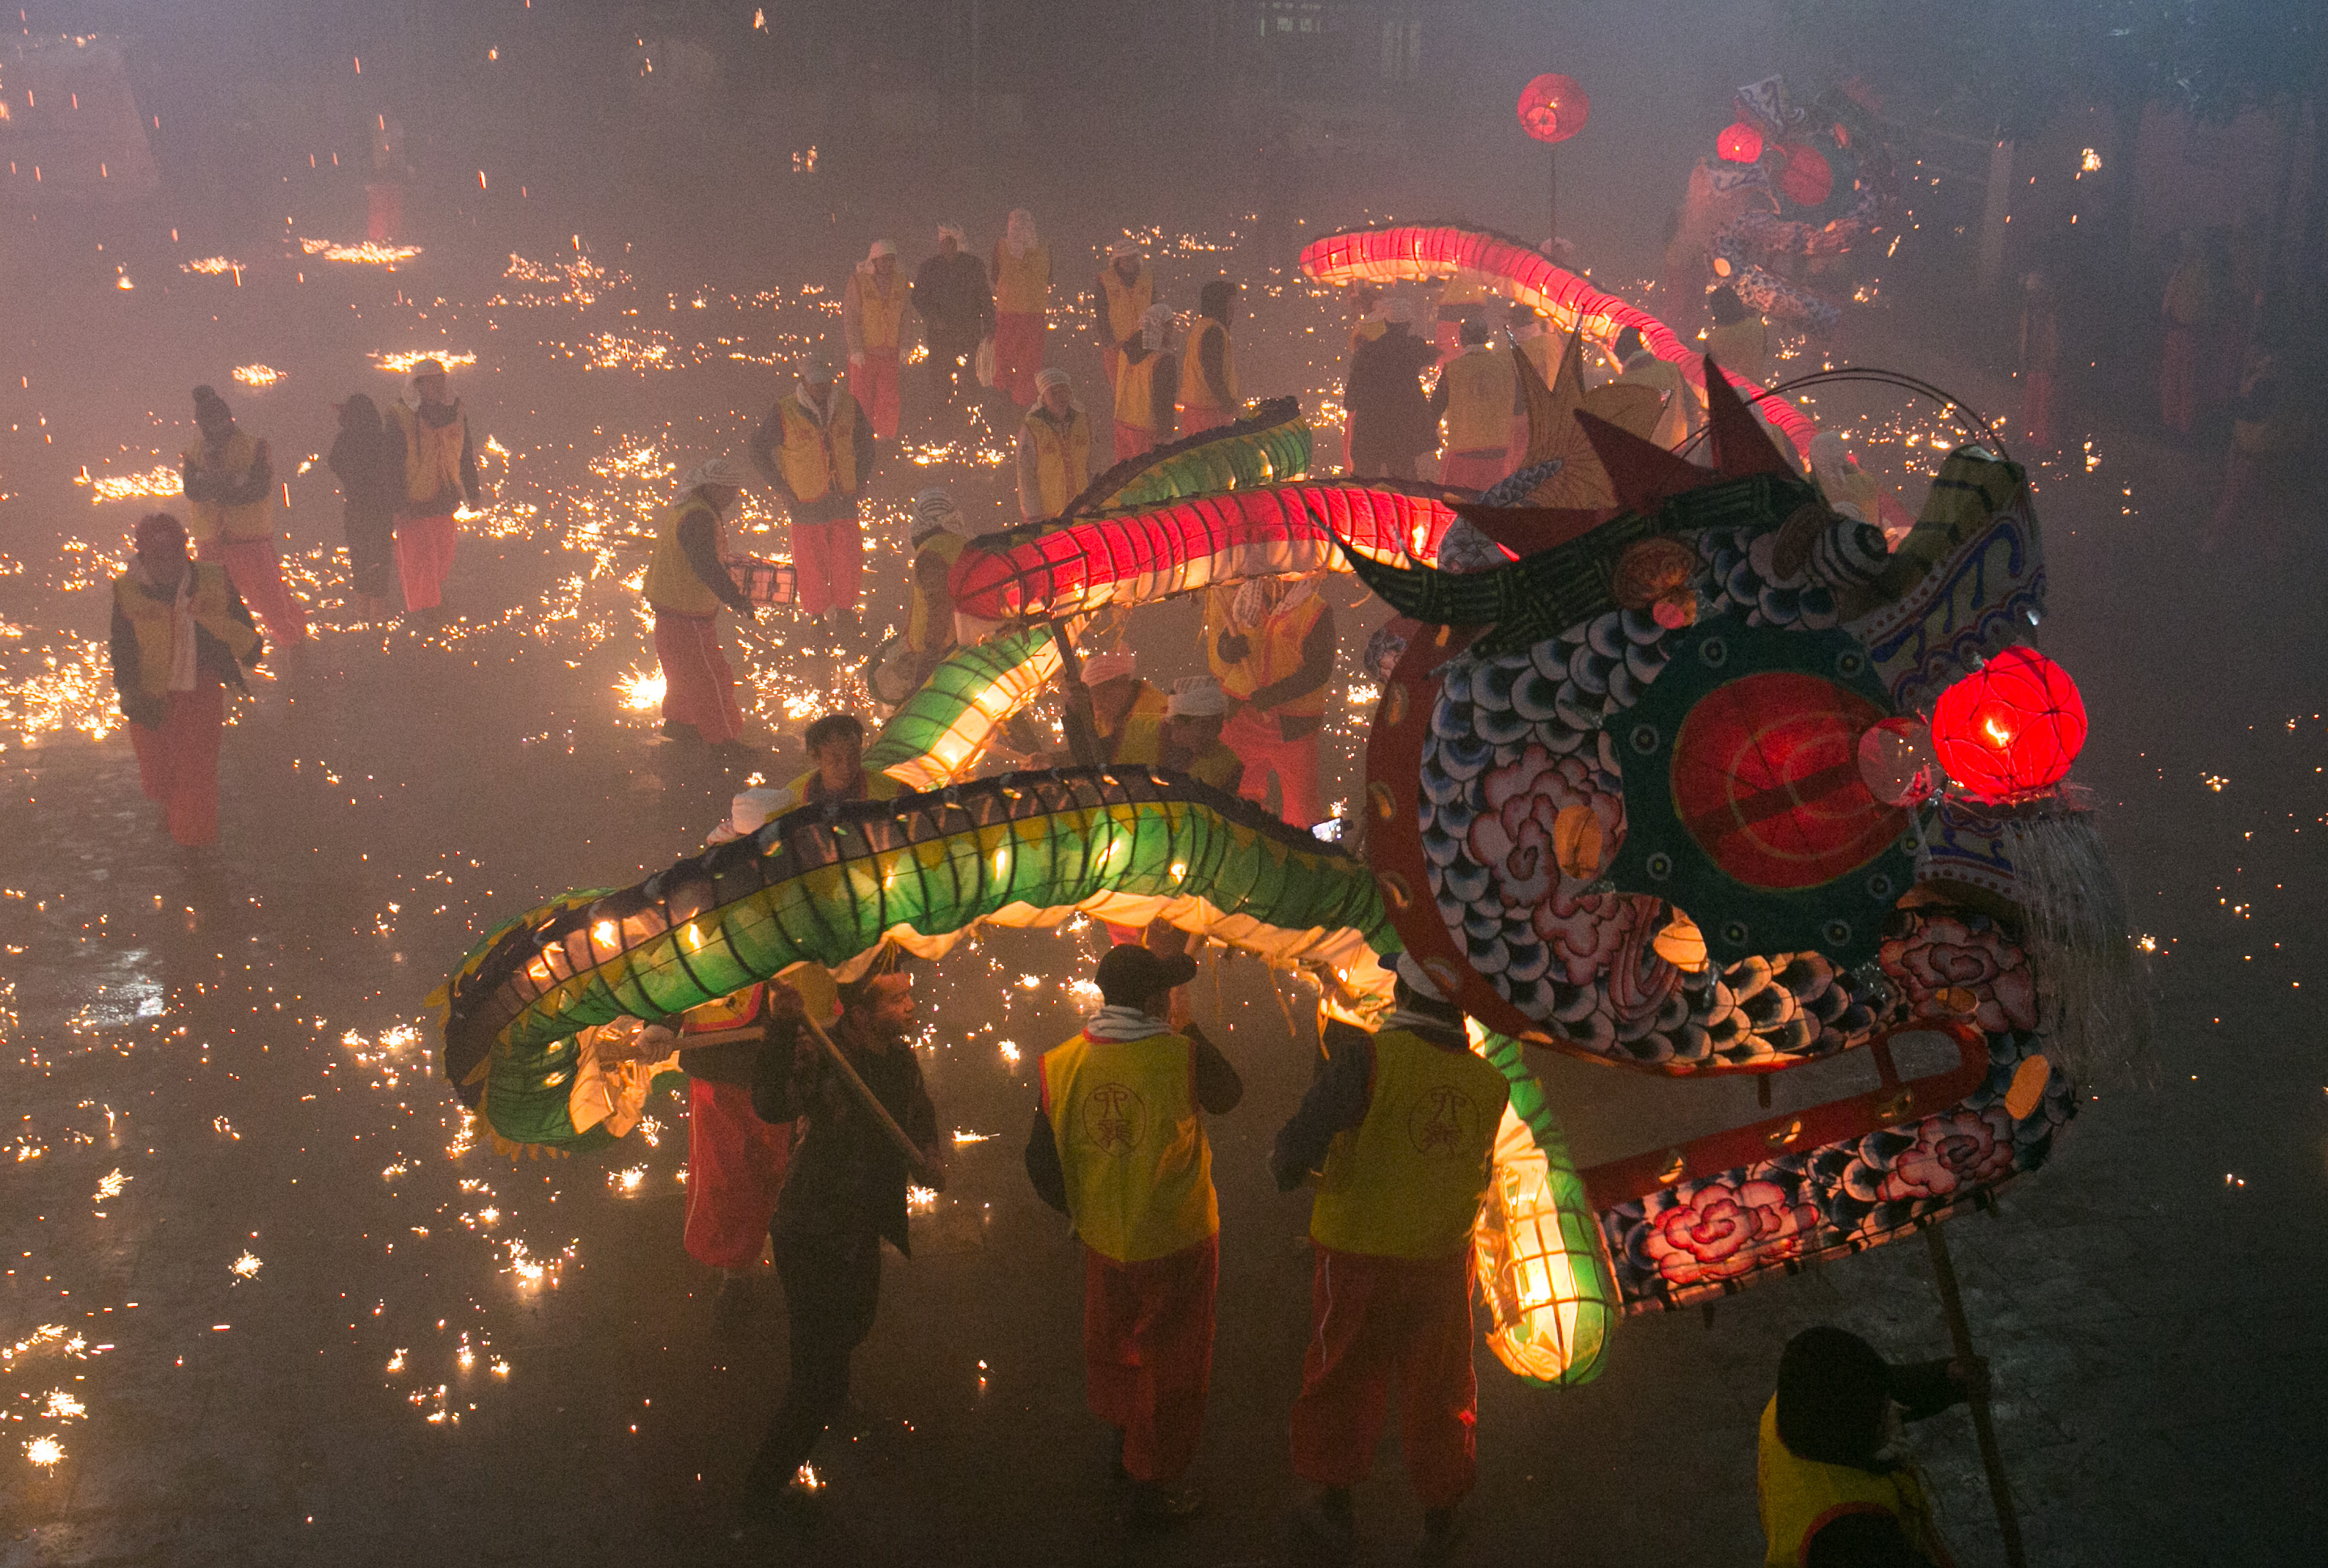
(2012, 728)
(1739, 144)
(1554, 108)
(1807, 180)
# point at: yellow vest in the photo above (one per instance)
(1274, 651)
(432, 453)
(1022, 284)
(671, 582)
(209, 520)
(1406, 1182)
(929, 622)
(816, 459)
(1062, 456)
(1479, 389)
(738, 1009)
(1135, 395)
(1799, 1495)
(1196, 393)
(1138, 738)
(1138, 1171)
(149, 617)
(1367, 331)
(1216, 765)
(1465, 288)
(1126, 305)
(878, 314)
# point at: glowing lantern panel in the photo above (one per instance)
(1554, 108)
(2012, 728)
(1739, 144)
(1807, 180)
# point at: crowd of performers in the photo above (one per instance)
(809, 1119)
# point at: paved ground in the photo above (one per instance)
(296, 1318)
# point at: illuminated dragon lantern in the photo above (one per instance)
(1660, 793)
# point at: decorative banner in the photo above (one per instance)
(1415, 253)
(827, 885)
(945, 727)
(1075, 565)
(1268, 446)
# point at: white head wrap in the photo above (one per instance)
(1117, 249)
(724, 471)
(1019, 233)
(1197, 697)
(934, 512)
(1099, 669)
(1051, 376)
(1397, 308)
(952, 229)
(877, 249)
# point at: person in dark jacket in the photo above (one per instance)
(369, 459)
(1834, 1491)
(845, 1190)
(956, 304)
(1391, 421)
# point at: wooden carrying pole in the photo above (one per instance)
(2000, 1490)
(913, 1157)
(1082, 737)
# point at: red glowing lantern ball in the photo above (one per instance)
(1554, 108)
(2012, 728)
(1739, 144)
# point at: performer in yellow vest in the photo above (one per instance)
(1463, 297)
(440, 468)
(1054, 448)
(936, 538)
(872, 312)
(230, 486)
(687, 582)
(1397, 1133)
(1118, 1146)
(1146, 383)
(1738, 339)
(1020, 268)
(1834, 1488)
(815, 450)
(1271, 643)
(1477, 393)
(1192, 734)
(1642, 367)
(1208, 379)
(1122, 295)
(836, 755)
(180, 636)
(1127, 712)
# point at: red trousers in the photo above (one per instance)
(830, 560)
(256, 570)
(1262, 748)
(874, 385)
(1147, 1353)
(1371, 1318)
(1018, 354)
(1196, 421)
(1133, 441)
(177, 764)
(735, 1171)
(1472, 470)
(423, 559)
(699, 684)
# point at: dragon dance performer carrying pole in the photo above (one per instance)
(1271, 643)
(1118, 1145)
(230, 486)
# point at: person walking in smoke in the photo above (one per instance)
(815, 450)
(687, 582)
(440, 470)
(368, 459)
(844, 1195)
(1121, 296)
(1146, 383)
(230, 486)
(1021, 270)
(872, 312)
(1208, 397)
(180, 636)
(1118, 1145)
(956, 304)
(1054, 448)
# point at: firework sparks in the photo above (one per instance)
(110, 1186)
(160, 480)
(369, 252)
(247, 1266)
(257, 375)
(402, 361)
(45, 1451)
